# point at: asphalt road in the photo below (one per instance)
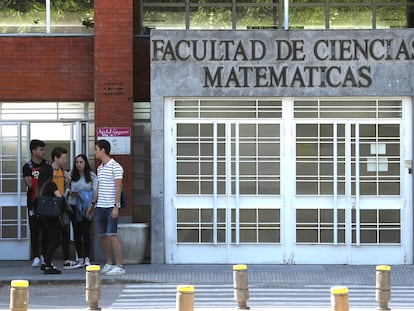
(60, 297)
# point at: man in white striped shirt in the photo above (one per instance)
(107, 203)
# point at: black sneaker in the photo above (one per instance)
(42, 267)
(51, 270)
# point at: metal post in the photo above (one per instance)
(19, 295)
(383, 287)
(185, 298)
(240, 285)
(93, 286)
(339, 298)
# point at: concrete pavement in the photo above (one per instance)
(274, 275)
(283, 276)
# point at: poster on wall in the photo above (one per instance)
(118, 137)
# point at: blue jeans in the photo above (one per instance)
(105, 224)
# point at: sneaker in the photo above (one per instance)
(107, 268)
(36, 262)
(42, 260)
(51, 270)
(116, 271)
(42, 267)
(70, 264)
(86, 262)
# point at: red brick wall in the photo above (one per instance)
(46, 68)
(113, 50)
(109, 68)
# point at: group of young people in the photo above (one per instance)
(45, 178)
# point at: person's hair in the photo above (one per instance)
(104, 144)
(36, 143)
(45, 176)
(57, 152)
(87, 172)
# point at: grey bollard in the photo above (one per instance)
(19, 295)
(339, 298)
(383, 287)
(93, 286)
(185, 298)
(241, 286)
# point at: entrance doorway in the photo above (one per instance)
(14, 153)
(288, 181)
(349, 204)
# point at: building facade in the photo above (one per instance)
(257, 132)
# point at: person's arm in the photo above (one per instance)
(91, 208)
(57, 193)
(27, 176)
(28, 181)
(67, 177)
(115, 210)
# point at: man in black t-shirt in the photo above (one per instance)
(30, 175)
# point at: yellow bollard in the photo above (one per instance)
(383, 287)
(185, 298)
(339, 298)
(93, 286)
(19, 295)
(240, 285)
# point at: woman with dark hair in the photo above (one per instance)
(46, 187)
(82, 188)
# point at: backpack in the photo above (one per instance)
(123, 199)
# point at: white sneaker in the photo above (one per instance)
(42, 260)
(107, 268)
(116, 271)
(70, 264)
(86, 262)
(36, 262)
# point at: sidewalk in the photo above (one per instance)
(281, 276)
(264, 275)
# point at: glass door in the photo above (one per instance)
(14, 233)
(353, 172)
(14, 153)
(72, 135)
(226, 197)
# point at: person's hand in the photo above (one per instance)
(89, 211)
(115, 212)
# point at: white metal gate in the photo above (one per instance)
(349, 204)
(288, 181)
(14, 231)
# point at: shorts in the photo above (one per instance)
(105, 224)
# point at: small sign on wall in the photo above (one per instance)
(118, 137)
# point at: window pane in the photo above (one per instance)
(359, 17)
(395, 16)
(164, 17)
(259, 17)
(74, 16)
(24, 16)
(210, 18)
(307, 18)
